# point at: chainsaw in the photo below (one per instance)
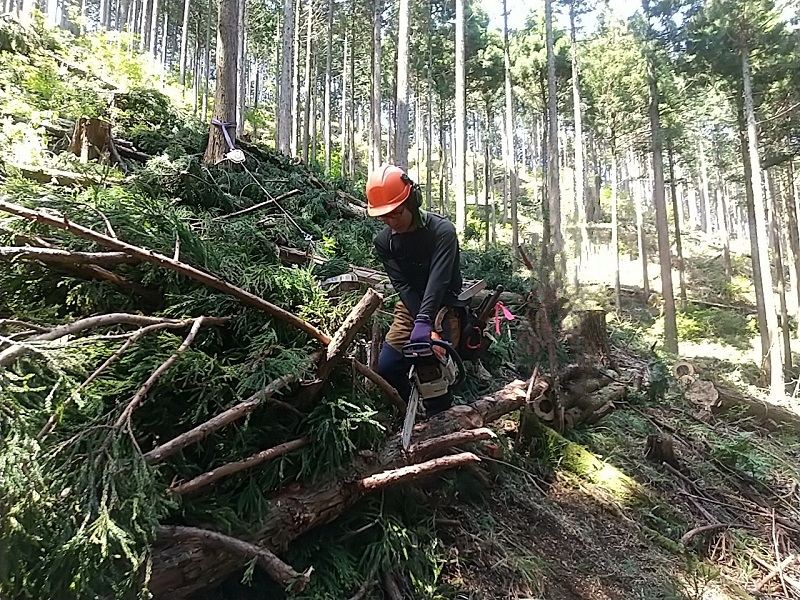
(431, 375)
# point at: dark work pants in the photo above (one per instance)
(394, 369)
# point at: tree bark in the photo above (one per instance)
(401, 101)
(676, 216)
(206, 65)
(662, 226)
(307, 80)
(184, 42)
(241, 63)
(182, 568)
(639, 195)
(579, 180)
(511, 157)
(295, 80)
(328, 66)
(375, 107)
(459, 148)
(791, 200)
(343, 107)
(776, 377)
(153, 28)
(553, 171)
(225, 95)
(776, 213)
(615, 227)
(286, 90)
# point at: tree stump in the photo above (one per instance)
(91, 139)
(594, 335)
(659, 449)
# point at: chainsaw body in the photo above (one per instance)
(430, 375)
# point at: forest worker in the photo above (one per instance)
(420, 254)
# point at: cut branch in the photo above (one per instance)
(218, 422)
(274, 566)
(194, 485)
(10, 354)
(151, 381)
(204, 277)
(380, 480)
(259, 206)
(53, 255)
(443, 442)
(774, 571)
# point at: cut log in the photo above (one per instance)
(185, 566)
(682, 368)
(54, 255)
(703, 394)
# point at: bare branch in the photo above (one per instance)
(274, 566)
(18, 323)
(259, 206)
(218, 422)
(10, 354)
(165, 261)
(689, 535)
(139, 396)
(55, 255)
(213, 475)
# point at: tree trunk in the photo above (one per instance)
(295, 80)
(327, 113)
(343, 108)
(615, 226)
(776, 213)
(401, 99)
(678, 221)
(278, 76)
(755, 261)
(241, 75)
(285, 125)
(553, 182)
(184, 42)
(579, 181)
(638, 196)
(307, 80)
(153, 36)
(722, 224)
(794, 236)
(207, 63)
(487, 178)
(704, 188)
(375, 108)
(511, 157)
(351, 104)
(662, 227)
(459, 147)
(179, 569)
(144, 22)
(776, 379)
(225, 96)
(429, 145)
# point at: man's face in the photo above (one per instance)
(400, 219)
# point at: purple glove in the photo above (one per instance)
(422, 329)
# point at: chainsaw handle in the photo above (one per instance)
(451, 352)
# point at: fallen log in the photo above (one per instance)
(181, 567)
(764, 412)
(63, 178)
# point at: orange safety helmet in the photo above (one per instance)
(387, 188)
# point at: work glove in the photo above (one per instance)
(422, 329)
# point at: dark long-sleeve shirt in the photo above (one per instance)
(423, 265)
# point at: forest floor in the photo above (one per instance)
(574, 532)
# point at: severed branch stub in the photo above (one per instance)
(156, 258)
(274, 566)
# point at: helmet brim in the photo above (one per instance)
(379, 211)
